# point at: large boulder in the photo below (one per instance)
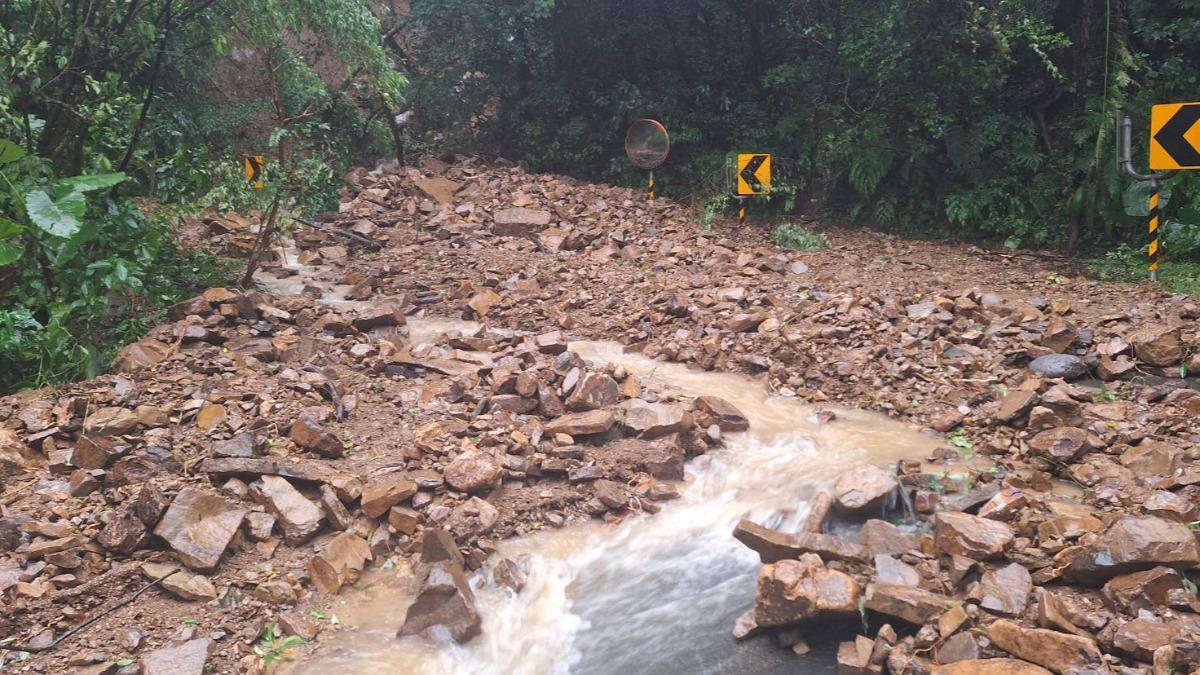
(445, 606)
(990, 667)
(654, 420)
(971, 536)
(914, 605)
(198, 526)
(594, 391)
(1060, 653)
(791, 591)
(188, 658)
(1133, 544)
(581, 424)
(773, 546)
(864, 488)
(518, 222)
(474, 472)
(713, 410)
(1158, 345)
(1062, 366)
(299, 518)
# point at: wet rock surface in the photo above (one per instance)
(280, 445)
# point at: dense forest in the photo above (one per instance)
(989, 120)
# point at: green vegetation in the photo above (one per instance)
(272, 649)
(123, 119)
(799, 238)
(988, 121)
(962, 443)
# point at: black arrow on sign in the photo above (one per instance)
(1170, 137)
(255, 170)
(749, 171)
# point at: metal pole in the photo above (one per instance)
(1154, 249)
(651, 186)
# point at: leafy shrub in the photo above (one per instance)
(799, 238)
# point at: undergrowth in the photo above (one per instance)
(799, 238)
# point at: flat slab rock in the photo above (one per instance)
(1133, 544)
(188, 658)
(199, 525)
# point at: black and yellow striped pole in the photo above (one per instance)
(1155, 248)
(650, 187)
(741, 210)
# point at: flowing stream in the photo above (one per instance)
(653, 594)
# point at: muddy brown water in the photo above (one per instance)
(654, 594)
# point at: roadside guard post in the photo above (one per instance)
(647, 145)
(1174, 145)
(752, 176)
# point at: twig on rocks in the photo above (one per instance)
(94, 619)
(331, 389)
(371, 244)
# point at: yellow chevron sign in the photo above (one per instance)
(1175, 136)
(753, 174)
(253, 164)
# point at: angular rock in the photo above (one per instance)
(1015, 404)
(124, 533)
(581, 424)
(181, 583)
(339, 563)
(1160, 346)
(1132, 544)
(1062, 366)
(882, 537)
(111, 420)
(654, 420)
(472, 518)
(438, 545)
(773, 546)
(1058, 652)
(189, 658)
(914, 605)
(722, 413)
(595, 390)
(1064, 444)
(1131, 593)
(141, 355)
(444, 608)
(383, 493)
(791, 591)
(335, 511)
(311, 436)
(474, 472)
(863, 488)
(970, 536)
(1140, 638)
(519, 222)
(299, 518)
(990, 667)
(1005, 591)
(199, 525)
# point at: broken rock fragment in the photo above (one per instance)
(864, 488)
(971, 536)
(1132, 544)
(445, 606)
(199, 525)
(299, 518)
(791, 591)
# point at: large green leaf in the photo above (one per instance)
(9, 151)
(88, 183)
(59, 217)
(9, 253)
(9, 228)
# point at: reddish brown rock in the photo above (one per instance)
(791, 591)
(1157, 345)
(1152, 588)
(863, 488)
(1059, 652)
(383, 493)
(722, 413)
(970, 536)
(914, 605)
(474, 472)
(581, 424)
(1063, 444)
(990, 667)
(1004, 591)
(1014, 404)
(339, 563)
(1140, 638)
(299, 518)
(311, 436)
(878, 536)
(199, 526)
(595, 390)
(654, 420)
(1004, 505)
(773, 546)
(1132, 544)
(445, 606)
